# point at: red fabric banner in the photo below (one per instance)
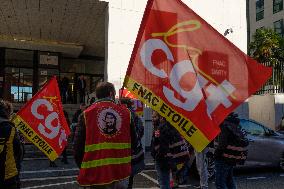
(124, 93)
(137, 105)
(43, 122)
(188, 72)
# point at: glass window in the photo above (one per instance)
(277, 5)
(252, 128)
(45, 74)
(278, 27)
(72, 65)
(18, 84)
(20, 58)
(259, 4)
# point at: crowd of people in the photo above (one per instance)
(67, 95)
(107, 146)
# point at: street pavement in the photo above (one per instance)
(36, 173)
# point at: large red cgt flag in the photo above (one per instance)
(43, 122)
(188, 72)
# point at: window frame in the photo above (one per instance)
(276, 5)
(281, 27)
(259, 11)
(248, 125)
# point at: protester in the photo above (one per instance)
(78, 112)
(95, 140)
(179, 150)
(137, 152)
(167, 149)
(81, 86)
(10, 149)
(160, 149)
(230, 150)
(75, 118)
(202, 168)
(64, 84)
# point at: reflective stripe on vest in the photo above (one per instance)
(231, 147)
(234, 156)
(236, 148)
(106, 161)
(11, 169)
(107, 146)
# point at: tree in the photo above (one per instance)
(267, 47)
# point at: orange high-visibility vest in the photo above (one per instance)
(107, 156)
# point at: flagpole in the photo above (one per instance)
(195, 71)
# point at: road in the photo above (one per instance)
(36, 173)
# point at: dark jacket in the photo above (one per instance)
(222, 141)
(230, 146)
(81, 84)
(169, 148)
(80, 136)
(137, 152)
(64, 84)
(75, 118)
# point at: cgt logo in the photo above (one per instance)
(51, 127)
(217, 94)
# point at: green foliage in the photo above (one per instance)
(267, 47)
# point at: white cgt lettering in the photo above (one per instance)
(48, 130)
(146, 55)
(194, 96)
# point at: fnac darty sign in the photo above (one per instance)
(217, 93)
(49, 123)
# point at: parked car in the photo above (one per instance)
(266, 148)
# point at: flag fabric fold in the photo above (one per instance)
(42, 121)
(188, 72)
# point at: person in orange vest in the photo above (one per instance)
(102, 142)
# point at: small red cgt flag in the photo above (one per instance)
(188, 72)
(42, 121)
(138, 106)
(124, 93)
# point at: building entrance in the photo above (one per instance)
(71, 86)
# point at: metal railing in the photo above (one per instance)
(275, 84)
